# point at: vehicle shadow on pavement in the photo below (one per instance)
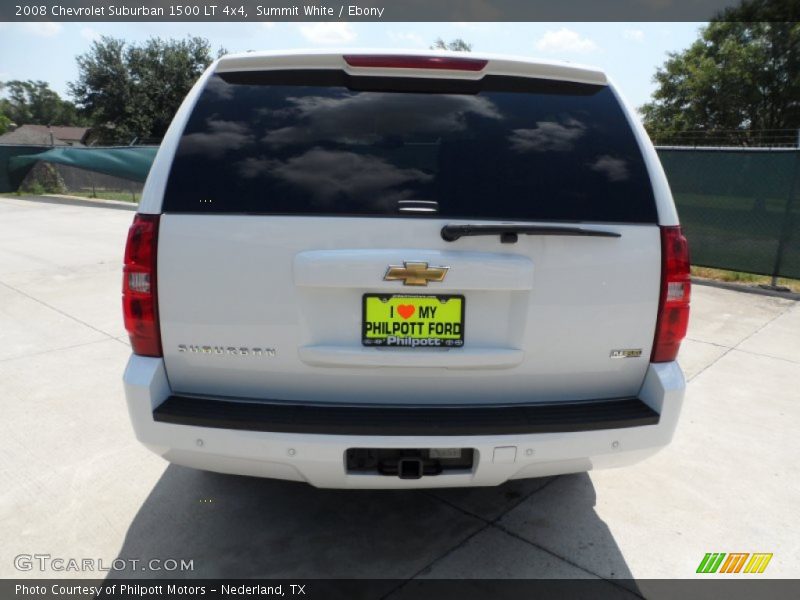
(242, 527)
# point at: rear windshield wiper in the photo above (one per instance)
(509, 233)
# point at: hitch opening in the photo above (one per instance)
(410, 468)
(409, 463)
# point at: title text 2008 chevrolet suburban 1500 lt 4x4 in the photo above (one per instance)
(383, 270)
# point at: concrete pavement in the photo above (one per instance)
(75, 483)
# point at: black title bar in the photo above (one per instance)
(368, 10)
(398, 589)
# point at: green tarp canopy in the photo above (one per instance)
(127, 162)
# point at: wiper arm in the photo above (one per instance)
(508, 233)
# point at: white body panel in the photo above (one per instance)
(542, 315)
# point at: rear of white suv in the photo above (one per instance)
(382, 270)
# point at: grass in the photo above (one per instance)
(106, 195)
(744, 278)
(99, 195)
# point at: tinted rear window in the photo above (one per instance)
(325, 143)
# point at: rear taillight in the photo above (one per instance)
(139, 299)
(676, 289)
(390, 61)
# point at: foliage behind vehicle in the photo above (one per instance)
(741, 76)
(132, 91)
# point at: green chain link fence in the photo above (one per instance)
(739, 208)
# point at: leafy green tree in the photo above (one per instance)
(33, 102)
(132, 91)
(5, 123)
(457, 45)
(742, 74)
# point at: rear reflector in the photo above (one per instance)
(139, 299)
(415, 62)
(676, 289)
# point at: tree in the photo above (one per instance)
(133, 91)
(457, 45)
(33, 102)
(742, 74)
(5, 123)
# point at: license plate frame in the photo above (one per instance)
(446, 341)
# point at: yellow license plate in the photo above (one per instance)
(413, 321)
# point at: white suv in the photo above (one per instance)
(378, 270)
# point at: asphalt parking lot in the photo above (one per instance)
(75, 483)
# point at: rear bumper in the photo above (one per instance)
(309, 443)
(274, 417)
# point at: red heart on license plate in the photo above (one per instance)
(405, 310)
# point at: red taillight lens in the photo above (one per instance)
(676, 290)
(415, 62)
(139, 300)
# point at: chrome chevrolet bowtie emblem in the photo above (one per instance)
(415, 273)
